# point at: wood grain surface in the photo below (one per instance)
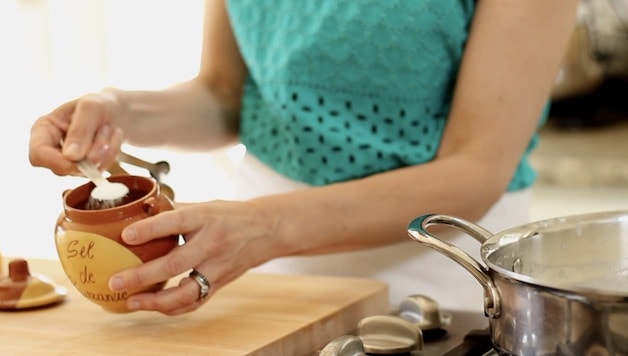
(258, 314)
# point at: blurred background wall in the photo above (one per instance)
(52, 51)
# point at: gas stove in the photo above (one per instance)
(477, 342)
(467, 333)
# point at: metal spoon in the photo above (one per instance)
(165, 189)
(156, 170)
(106, 194)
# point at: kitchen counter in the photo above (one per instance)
(258, 314)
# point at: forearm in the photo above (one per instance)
(376, 210)
(188, 116)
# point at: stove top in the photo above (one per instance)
(475, 342)
(466, 334)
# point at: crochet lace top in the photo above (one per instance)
(343, 89)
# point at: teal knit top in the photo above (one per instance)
(343, 89)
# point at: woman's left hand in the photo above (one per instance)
(223, 239)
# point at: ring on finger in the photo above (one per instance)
(202, 282)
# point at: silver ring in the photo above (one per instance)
(202, 282)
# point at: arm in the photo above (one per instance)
(197, 115)
(513, 53)
(202, 113)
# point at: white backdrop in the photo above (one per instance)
(55, 50)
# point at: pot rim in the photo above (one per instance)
(71, 197)
(498, 241)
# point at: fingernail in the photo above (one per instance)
(116, 284)
(133, 304)
(72, 151)
(118, 134)
(103, 135)
(104, 132)
(129, 235)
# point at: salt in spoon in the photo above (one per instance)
(106, 194)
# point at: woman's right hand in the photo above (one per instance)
(88, 126)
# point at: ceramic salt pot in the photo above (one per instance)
(89, 244)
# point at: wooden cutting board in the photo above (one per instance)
(258, 314)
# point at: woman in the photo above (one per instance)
(357, 115)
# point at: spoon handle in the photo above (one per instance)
(90, 171)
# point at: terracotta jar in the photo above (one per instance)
(89, 245)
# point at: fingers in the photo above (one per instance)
(216, 248)
(158, 270)
(46, 134)
(179, 221)
(44, 149)
(175, 300)
(89, 122)
(179, 260)
(171, 301)
(105, 147)
(86, 126)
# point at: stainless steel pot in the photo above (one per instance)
(552, 287)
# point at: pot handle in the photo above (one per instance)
(151, 206)
(417, 230)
